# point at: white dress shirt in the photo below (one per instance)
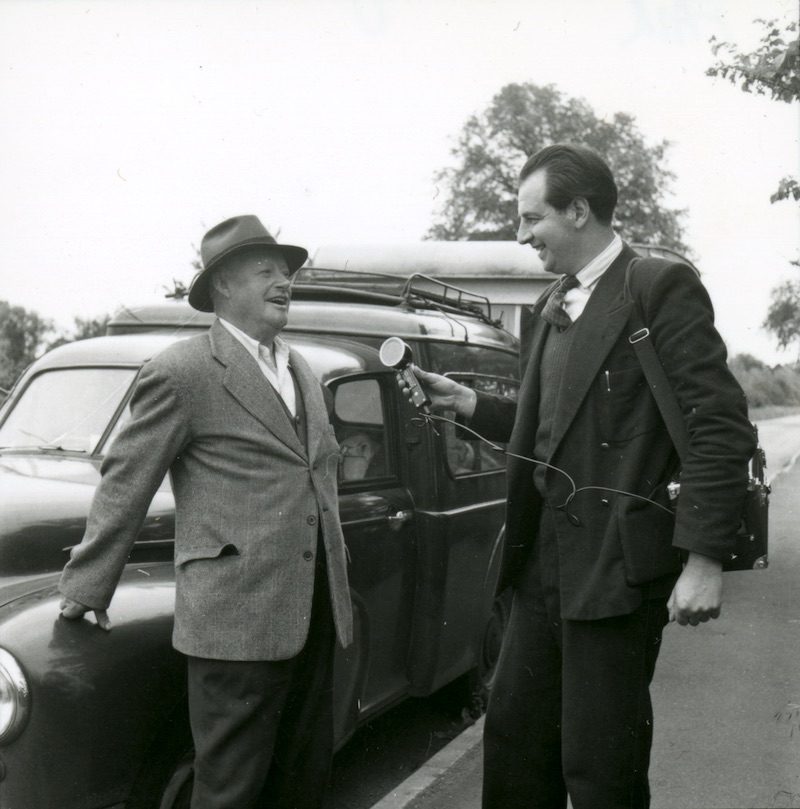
(275, 368)
(576, 298)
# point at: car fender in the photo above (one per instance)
(97, 698)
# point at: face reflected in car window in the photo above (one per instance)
(358, 421)
(357, 451)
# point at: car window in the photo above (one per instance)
(467, 454)
(472, 360)
(360, 426)
(68, 408)
(488, 370)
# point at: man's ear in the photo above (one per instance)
(219, 284)
(579, 211)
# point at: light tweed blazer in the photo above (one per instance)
(249, 498)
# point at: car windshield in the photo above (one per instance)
(66, 409)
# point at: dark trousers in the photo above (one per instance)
(263, 731)
(570, 710)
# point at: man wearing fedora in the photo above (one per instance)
(239, 422)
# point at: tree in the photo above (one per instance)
(85, 327)
(480, 201)
(776, 387)
(783, 315)
(773, 69)
(22, 336)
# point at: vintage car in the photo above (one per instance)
(95, 720)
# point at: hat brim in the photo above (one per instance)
(200, 291)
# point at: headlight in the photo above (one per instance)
(15, 698)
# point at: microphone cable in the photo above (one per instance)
(428, 418)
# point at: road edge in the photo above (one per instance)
(787, 467)
(433, 769)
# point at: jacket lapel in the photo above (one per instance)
(247, 384)
(533, 334)
(597, 330)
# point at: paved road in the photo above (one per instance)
(719, 688)
(781, 440)
(387, 750)
(727, 693)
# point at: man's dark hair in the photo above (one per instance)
(575, 171)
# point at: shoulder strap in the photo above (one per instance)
(653, 369)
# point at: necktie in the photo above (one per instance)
(553, 311)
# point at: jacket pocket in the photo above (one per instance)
(645, 533)
(626, 407)
(212, 552)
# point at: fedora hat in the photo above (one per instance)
(233, 236)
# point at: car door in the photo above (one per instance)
(461, 517)
(379, 524)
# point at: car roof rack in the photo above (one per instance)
(417, 291)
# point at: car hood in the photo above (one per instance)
(44, 502)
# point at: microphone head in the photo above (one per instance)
(395, 353)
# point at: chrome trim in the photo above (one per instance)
(19, 718)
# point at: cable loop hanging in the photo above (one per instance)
(428, 418)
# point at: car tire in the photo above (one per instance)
(469, 694)
(492, 642)
(480, 681)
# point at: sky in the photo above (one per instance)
(130, 127)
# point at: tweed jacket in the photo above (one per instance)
(250, 502)
(608, 437)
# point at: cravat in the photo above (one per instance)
(553, 311)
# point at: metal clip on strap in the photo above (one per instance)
(638, 336)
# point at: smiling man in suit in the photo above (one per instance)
(239, 422)
(597, 563)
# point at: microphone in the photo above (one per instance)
(396, 354)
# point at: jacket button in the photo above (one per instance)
(311, 520)
(604, 502)
(308, 556)
(604, 445)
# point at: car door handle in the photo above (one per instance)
(396, 521)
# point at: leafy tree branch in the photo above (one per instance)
(479, 190)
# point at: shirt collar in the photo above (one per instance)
(252, 345)
(590, 274)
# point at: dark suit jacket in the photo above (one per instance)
(608, 433)
(250, 501)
